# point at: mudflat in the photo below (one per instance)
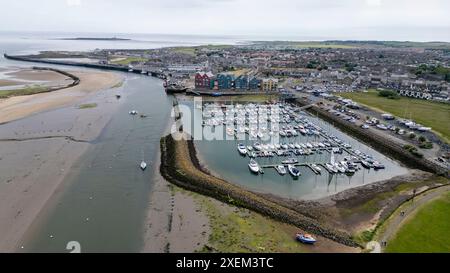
(41, 137)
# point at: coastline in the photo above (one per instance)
(47, 152)
(18, 107)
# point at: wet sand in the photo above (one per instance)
(37, 152)
(21, 106)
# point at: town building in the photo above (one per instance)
(203, 80)
(269, 84)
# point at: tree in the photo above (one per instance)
(412, 135)
(422, 139)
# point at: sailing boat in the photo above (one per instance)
(143, 165)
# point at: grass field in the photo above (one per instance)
(321, 45)
(29, 90)
(427, 113)
(185, 50)
(128, 60)
(427, 231)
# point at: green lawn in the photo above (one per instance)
(185, 50)
(427, 231)
(129, 60)
(427, 113)
(321, 45)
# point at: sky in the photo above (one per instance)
(415, 20)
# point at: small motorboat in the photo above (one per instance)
(305, 238)
(281, 169)
(331, 168)
(253, 166)
(294, 171)
(133, 112)
(143, 115)
(241, 148)
(143, 165)
(290, 161)
(317, 168)
(118, 96)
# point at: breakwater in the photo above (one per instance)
(180, 166)
(87, 65)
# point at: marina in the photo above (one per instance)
(298, 154)
(286, 120)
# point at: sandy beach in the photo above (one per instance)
(21, 106)
(41, 137)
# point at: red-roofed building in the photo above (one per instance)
(203, 80)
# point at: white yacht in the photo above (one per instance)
(241, 148)
(253, 166)
(281, 169)
(317, 168)
(294, 171)
(143, 165)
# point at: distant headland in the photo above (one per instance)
(95, 39)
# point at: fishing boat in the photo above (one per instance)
(305, 238)
(253, 166)
(280, 169)
(241, 148)
(174, 88)
(294, 171)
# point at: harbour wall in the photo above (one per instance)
(180, 166)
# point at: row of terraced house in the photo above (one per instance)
(227, 81)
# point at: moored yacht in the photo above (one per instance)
(280, 169)
(290, 161)
(241, 148)
(253, 166)
(294, 171)
(317, 168)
